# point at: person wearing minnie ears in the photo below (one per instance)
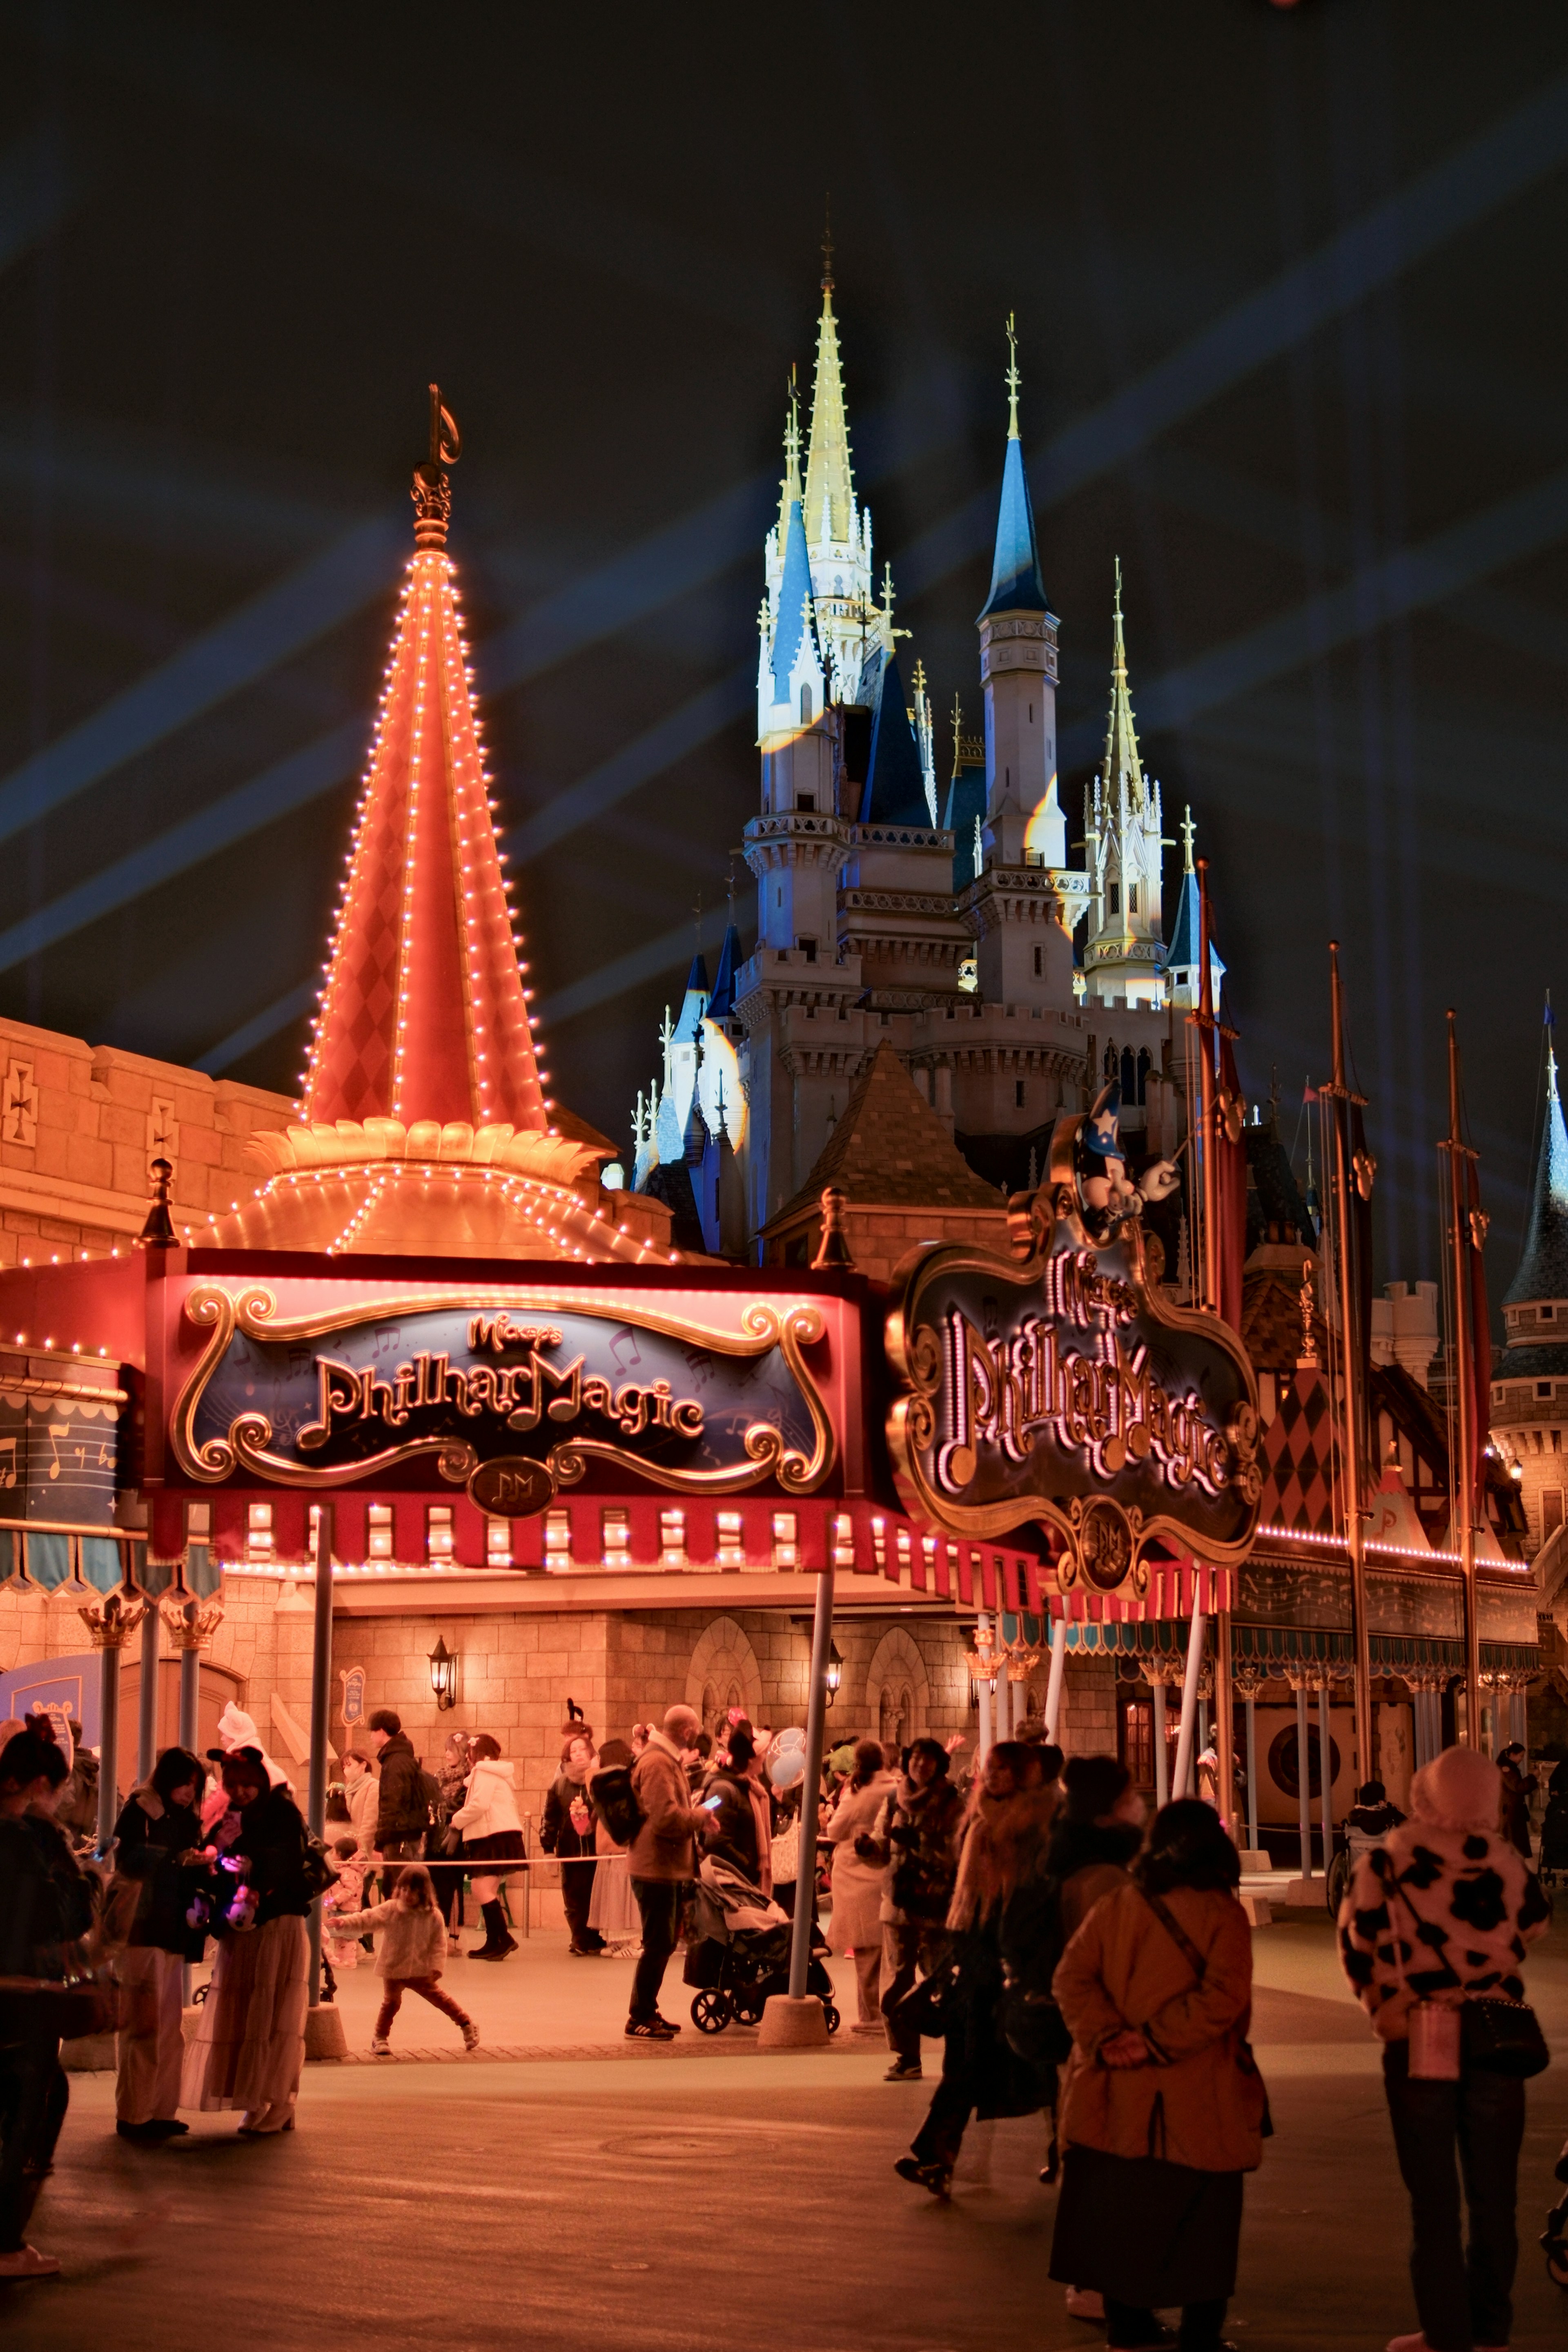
(1432, 1934)
(45, 1906)
(410, 1955)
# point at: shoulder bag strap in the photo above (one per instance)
(1177, 1933)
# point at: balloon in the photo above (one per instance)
(784, 1741)
(787, 1770)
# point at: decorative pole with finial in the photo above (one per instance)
(432, 490)
(1460, 1242)
(111, 1625)
(1350, 1173)
(1014, 383)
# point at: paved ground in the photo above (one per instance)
(629, 2205)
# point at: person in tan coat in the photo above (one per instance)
(1161, 2109)
(662, 1862)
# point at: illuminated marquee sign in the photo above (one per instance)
(1062, 1387)
(512, 1395)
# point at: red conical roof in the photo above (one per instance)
(424, 1015)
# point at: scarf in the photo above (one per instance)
(1001, 1846)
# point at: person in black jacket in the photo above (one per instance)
(156, 1840)
(46, 1906)
(250, 2044)
(741, 1830)
(402, 1808)
(567, 1830)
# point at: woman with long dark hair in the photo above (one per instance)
(1161, 2109)
(249, 2047)
(156, 1840)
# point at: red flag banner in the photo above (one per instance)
(1230, 1167)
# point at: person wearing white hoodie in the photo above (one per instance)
(1441, 1910)
(492, 1831)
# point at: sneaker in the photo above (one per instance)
(903, 2070)
(649, 2029)
(937, 2178)
(1085, 2303)
(470, 2037)
(148, 2131)
(379, 2046)
(27, 2263)
(668, 2023)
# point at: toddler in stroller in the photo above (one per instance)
(737, 1952)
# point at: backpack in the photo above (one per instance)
(316, 1869)
(615, 1803)
(430, 1793)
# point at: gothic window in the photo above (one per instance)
(805, 706)
(1114, 898)
(1129, 1076)
(1018, 1093)
(1039, 963)
(1145, 1060)
(1132, 897)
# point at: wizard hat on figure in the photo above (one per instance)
(1099, 1131)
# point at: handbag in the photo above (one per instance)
(1498, 2036)
(1034, 2027)
(1245, 2061)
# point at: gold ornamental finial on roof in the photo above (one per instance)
(432, 491)
(1014, 379)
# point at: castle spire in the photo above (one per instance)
(829, 500)
(424, 1015)
(1543, 1261)
(1121, 734)
(1016, 582)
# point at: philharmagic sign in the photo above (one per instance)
(511, 1394)
(1061, 1387)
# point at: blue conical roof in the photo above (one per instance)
(1016, 583)
(794, 604)
(1543, 1266)
(894, 789)
(695, 1004)
(965, 802)
(721, 1004)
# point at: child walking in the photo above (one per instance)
(410, 1951)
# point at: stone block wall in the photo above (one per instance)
(78, 1127)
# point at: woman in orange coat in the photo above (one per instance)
(1161, 2109)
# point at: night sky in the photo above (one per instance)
(1289, 286)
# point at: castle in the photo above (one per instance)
(941, 922)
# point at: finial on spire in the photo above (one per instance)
(1014, 380)
(828, 241)
(432, 491)
(1189, 831)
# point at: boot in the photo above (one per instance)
(497, 1943)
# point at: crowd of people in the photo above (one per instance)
(1073, 1960)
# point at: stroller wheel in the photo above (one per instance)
(831, 2017)
(1557, 2265)
(710, 2012)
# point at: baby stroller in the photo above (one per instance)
(737, 1952)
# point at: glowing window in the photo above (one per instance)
(378, 1535)
(259, 1537)
(673, 1537)
(905, 1555)
(558, 1541)
(879, 1541)
(785, 1542)
(844, 1540)
(498, 1543)
(438, 1532)
(731, 1538)
(615, 1538)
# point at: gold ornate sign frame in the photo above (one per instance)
(1106, 1540)
(253, 1310)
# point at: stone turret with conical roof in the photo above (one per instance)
(1530, 1379)
(1018, 669)
(426, 1124)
